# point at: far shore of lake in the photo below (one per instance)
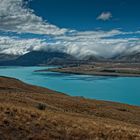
(100, 69)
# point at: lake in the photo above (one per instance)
(118, 89)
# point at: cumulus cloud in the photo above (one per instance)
(98, 43)
(80, 44)
(105, 16)
(16, 17)
(18, 46)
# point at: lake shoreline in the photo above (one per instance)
(92, 87)
(60, 70)
(102, 69)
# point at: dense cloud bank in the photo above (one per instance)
(15, 16)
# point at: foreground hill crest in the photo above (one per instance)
(31, 112)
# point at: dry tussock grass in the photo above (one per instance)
(62, 117)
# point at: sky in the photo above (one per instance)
(82, 14)
(78, 27)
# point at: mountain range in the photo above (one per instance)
(34, 58)
(132, 57)
(39, 58)
(6, 57)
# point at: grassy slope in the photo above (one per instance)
(64, 117)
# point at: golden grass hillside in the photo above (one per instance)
(33, 113)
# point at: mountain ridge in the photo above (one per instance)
(131, 57)
(34, 58)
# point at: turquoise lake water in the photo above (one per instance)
(118, 89)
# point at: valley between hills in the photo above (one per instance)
(36, 113)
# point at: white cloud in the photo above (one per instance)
(98, 43)
(80, 44)
(16, 17)
(17, 46)
(104, 16)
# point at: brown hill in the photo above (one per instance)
(31, 112)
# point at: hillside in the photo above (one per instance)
(31, 112)
(35, 58)
(7, 57)
(132, 57)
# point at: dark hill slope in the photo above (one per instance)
(133, 57)
(41, 58)
(6, 57)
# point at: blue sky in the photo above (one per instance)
(77, 27)
(82, 14)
